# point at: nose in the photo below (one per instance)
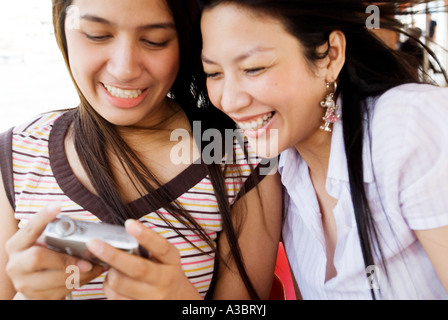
(124, 62)
(233, 96)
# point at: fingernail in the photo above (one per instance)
(84, 266)
(133, 227)
(95, 246)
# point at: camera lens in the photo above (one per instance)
(65, 227)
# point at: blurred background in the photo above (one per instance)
(33, 76)
(34, 79)
(429, 22)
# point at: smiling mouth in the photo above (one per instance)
(122, 93)
(256, 124)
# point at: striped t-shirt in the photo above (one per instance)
(41, 174)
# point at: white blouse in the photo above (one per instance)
(406, 180)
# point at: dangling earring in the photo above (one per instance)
(330, 104)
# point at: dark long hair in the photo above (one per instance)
(92, 133)
(371, 68)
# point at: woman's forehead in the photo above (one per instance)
(129, 13)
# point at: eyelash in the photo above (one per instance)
(146, 42)
(96, 38)
(155, 44)
(254, 71)
(249, 72)
(211, 75)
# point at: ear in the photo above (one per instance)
(336, 55)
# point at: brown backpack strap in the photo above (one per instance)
(6, 165)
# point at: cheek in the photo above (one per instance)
(214, 93)
(164, 66)
(304, 91)
(83, 62)
(269, 91)
(168, 60)
(84, 74)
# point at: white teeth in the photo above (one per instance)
(256, 124)
(120, 93)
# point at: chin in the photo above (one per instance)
(121, 118)
(265, 148)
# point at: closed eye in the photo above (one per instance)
(254, 71)
(155, 44)
(212, 75)
(96, 38)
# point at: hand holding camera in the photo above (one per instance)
(36, 271)
(72, 236)
(40, 273)
(131, 277)
(118, 247)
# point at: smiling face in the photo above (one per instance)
(124, 58)
(257, 73)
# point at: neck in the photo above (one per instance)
(173, 118)
(316, 153)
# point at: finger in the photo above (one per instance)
(42, 285)
(40, 258)
(27, 236)
(37, 261)
(113, 295)
(159, 247)
(53, 284)
(46, 280)
(131, 265)
(117, 286)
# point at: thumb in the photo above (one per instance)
(159, 247)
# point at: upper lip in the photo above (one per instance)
(249, 118)
(123, 87)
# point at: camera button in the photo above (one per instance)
(65, 227)
(81, 230)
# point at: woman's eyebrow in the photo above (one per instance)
(243, 56)
(157, 25)
(96, 19)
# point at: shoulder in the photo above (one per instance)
(412, 109)
(407, 128)
(29, 135)
(40, 125)
(408, 133)
(32, 137)
(417, 96)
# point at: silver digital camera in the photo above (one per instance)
(70, 236)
